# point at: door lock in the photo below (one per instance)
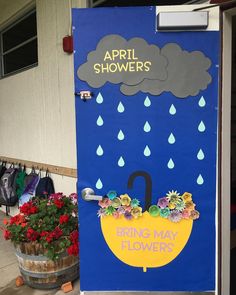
(88, 194)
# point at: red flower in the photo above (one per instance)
(33, 210)
(17, 219)
(57, 233)
(49, 238)
(73, 249)
(63, 219)
(31, 234)
(58, 203)
(74, 236)
(44, 233)
(7, 234)
(28, 208)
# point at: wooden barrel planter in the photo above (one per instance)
(40, 272)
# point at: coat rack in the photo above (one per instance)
(64, 171)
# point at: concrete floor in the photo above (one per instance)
(9, 271)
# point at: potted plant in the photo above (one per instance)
(45, 236)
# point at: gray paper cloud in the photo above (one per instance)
(187, 74)
(151, 69)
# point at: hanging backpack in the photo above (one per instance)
(3, 168)
(8, 195)
(45, 186)
(29, 191)
(20, 181)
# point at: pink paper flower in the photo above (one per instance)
(163, 202)
(104, 203)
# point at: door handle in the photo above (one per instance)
(88, 194)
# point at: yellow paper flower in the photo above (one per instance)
(171, 205)
(125, 200)
(136, 212)
(190, 205)
(187, 197)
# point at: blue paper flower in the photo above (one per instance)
(112, 195)
(134, 203)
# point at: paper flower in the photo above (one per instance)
(172, 196)
(187, 197)
(185, 214)
(104, 203)
(190, 205)
(128, 215)
(163, 202)
(165, 212)
(154, 210)
(125, 200)
(121, 210)
(116, 202)
(112, 195)
(175, 216)
(128, 208)
(194, 214)
(136, 212)
(101, 212)
(110, 210)
(171, 205)
(134, 203)
(180, 205)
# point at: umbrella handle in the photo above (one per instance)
(148, 187)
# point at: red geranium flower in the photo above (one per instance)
(7, 234)
(28, 208)
(44, 233)
(17, 219)
(74, 236)
(31, 234)
(73, 249)
(63, 219)
(57, 233)
(58, 203)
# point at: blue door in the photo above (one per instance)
(147, 144)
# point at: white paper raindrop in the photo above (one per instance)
(120, 107)
(201, 127)
(147, 151)
(200, 179)
(147, 102)
(99, 184)
(201, 102)
(200, 155)
(147, 127)
(170, 164)
(100, 121)
(99, 98)
(171, 139)
(121, 162)
(172, 110)
(99, 151)
(121, 135)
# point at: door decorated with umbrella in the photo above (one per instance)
(146, 124)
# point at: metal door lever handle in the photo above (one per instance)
(88, 194)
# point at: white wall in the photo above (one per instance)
(37, 115)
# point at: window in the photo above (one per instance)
(18, 45)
